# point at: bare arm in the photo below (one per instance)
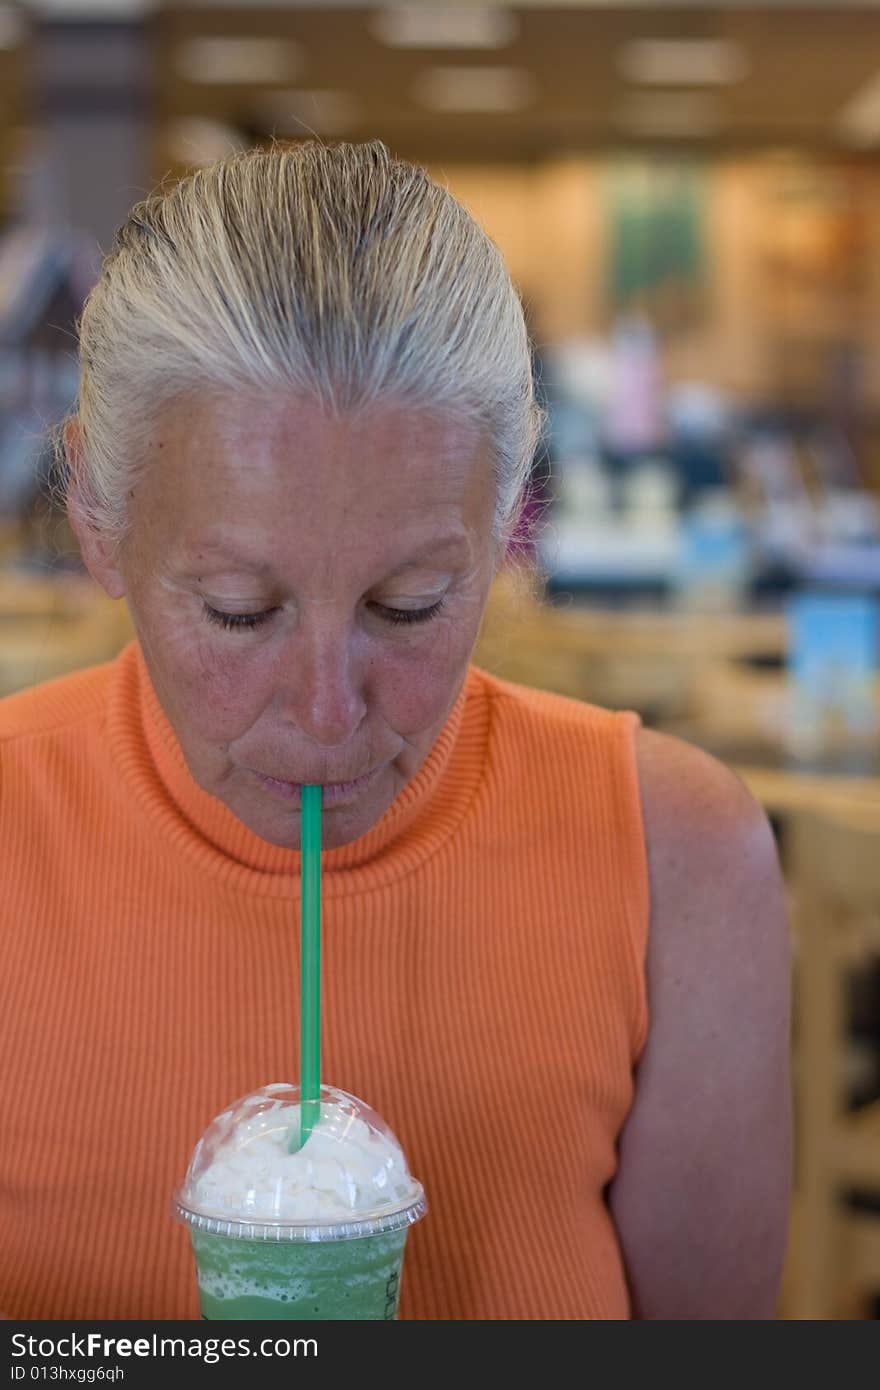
(701, 1196)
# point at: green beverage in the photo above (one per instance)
(298, 1231)
(340, 1279)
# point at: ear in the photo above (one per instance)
(99, 556)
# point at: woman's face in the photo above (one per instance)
(307, 594)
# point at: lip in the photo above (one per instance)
(332, 793)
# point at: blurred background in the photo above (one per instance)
(688, 198)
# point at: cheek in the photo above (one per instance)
(418, 686)
(220, 688)
(216, 689)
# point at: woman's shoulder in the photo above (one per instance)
(715, 879)
(695, 805)
(712, 1096)
(718, 944)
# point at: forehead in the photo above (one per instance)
(240, 474)
(230, 552)
(251, 442)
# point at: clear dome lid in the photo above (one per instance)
(349, 1179)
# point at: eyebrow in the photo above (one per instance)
(237, 562)
(456, 542)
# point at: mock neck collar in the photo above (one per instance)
(419, 820)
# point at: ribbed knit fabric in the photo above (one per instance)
(483, 956)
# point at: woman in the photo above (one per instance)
(555, 954)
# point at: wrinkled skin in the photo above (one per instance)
(257, 505)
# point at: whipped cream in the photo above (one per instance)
(243, 1169)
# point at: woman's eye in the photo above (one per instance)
(236, 620)
(410, 615)
(233, 621)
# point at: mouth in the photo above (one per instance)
(332, 793)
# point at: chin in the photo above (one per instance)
(338, 828)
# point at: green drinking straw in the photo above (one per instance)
(310, 966)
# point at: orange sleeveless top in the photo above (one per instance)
(483, 955)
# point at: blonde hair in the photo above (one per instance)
(336, 270)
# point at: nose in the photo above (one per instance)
(323, 688)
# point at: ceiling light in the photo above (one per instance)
(435, 26)
(691, 62)
(672, 114)
(235, 61)
(859, 121)
(323, 111)
(192, 140)
(11, 27)
(474, 89)
(92, 9)
(261, 4)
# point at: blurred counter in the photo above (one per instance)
(53, 624)
(718, 680)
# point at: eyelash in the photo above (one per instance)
(395, 616)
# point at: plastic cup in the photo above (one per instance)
(315, 1234)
